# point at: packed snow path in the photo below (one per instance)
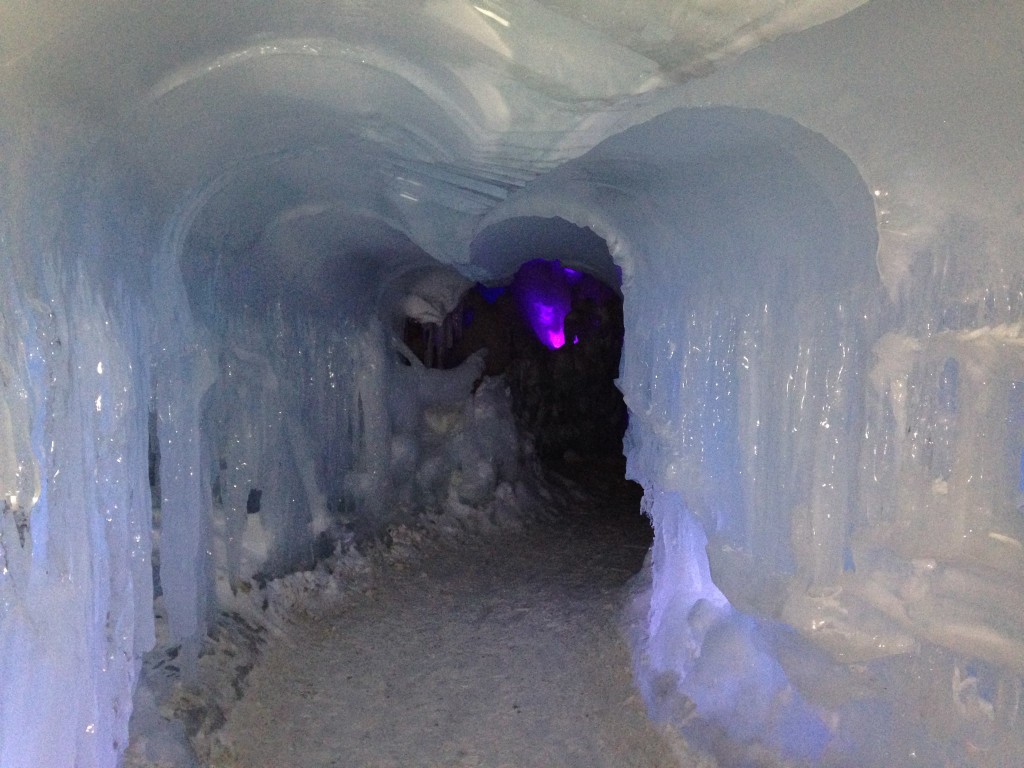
(503, 652)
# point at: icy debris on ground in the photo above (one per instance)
(178, 715)
(436, 459)
(501, 651)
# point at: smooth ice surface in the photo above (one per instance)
(214, 217)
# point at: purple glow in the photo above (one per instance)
(548, 322)
(545, 298)
(547, 292)
(491, 293)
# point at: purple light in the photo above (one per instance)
(491, 293)
(545, 291)
(548, 322)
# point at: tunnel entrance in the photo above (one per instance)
(562, 378)
(551, 319)
(555, 334)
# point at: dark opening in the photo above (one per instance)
(555, 334)
(553, 328)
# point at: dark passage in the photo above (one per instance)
(555, 334)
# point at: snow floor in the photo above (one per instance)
(501, 648)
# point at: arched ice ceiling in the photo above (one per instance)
(384, 130)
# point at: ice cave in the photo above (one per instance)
(238, 244)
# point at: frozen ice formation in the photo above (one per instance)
(812, 209)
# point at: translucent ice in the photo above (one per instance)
(211, 216)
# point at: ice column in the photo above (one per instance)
(183, 372)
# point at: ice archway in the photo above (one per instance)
(211, 213)
(746, 245)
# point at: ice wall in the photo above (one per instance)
(838, 434)
(319, 434)
(288, 420)
(75, 571)
(904, 584)
(751, 335)
(833, 472)
(292, 419)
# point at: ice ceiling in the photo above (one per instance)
(215, 211)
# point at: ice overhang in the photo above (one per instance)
(297, 144)
(473, 98)
(500, 249)
(717, 189)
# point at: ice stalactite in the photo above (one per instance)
(184, 369)
(319, 432)
(759, 425)
(368, 485)
(299, 440)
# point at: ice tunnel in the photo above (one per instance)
(214, 222)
